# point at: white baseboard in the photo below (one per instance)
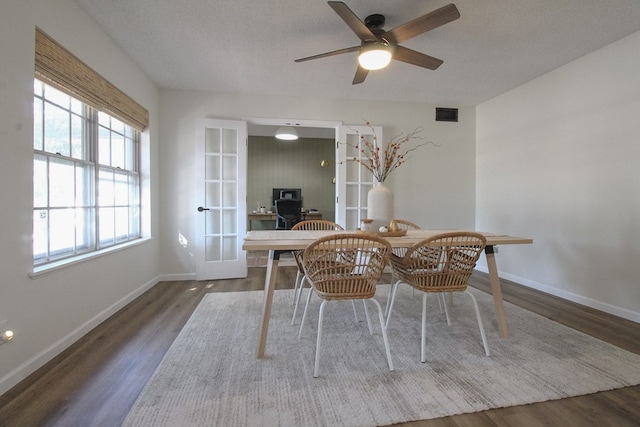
(570, 296)
(29, 366)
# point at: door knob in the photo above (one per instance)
(200, 209)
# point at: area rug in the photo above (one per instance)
(210, 376)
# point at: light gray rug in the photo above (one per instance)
(210, 376)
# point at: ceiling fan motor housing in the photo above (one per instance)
(375, 21)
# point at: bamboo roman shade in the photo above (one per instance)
(57, 66)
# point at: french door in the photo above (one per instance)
(221, 174)
(352, 179)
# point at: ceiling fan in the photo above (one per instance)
(378, 42)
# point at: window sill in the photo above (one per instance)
(58, 265)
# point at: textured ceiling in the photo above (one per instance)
(249, 46)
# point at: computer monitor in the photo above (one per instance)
(286, 194)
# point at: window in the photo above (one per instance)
(86, 180)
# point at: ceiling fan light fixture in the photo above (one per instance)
(286, 133)
(375, 56)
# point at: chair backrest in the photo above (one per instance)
(313, 224)
(403, 224)
(440, 263)
(317, 224)
(288, 213)
(346, 266)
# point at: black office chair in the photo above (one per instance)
(288, 213)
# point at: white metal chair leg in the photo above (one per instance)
(304, 313)
(355, 312)
(443, 300)
(392, 299)
(297, 296)
(440, 300)
(319, 339)
(366, 314)
(384, 333)
(392, 288)
(423, 338)
(295, 286)
(484, 338)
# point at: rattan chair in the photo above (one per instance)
(441, 263)
(312, 224)
(345, 267)
(403, 224)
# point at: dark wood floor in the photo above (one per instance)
(96, 381)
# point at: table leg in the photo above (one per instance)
(269, 287)
(496, 291)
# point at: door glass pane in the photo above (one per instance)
(353, 222)
(364, 191)
(229, 168)
(230, 137)
(352, 144)
(212, 140)
(212, 194)
(229, 247)
(212, 222)
(352, 172)
(229, 222)
(212, 167)
(212, 248)
(352, 194)
(229, 194)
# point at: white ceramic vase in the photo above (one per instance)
(380, 205)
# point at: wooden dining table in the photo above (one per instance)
(279, 241)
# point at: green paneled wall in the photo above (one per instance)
(296, 164)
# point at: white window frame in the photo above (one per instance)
(100, 196)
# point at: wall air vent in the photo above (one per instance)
(446, 114)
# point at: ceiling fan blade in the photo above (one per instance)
(361, 74)
(410, 56)
(422, 24)
(335, 52)
(356, 25)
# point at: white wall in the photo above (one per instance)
(51, 311)
(435, 188)
(558, 161)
